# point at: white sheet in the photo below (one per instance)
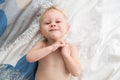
(94, 30)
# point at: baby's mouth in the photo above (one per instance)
(54, 29)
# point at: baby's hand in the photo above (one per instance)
(65, 50)
(57, 45)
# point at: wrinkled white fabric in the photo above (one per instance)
(94, 26)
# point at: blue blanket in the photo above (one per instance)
(23, 70)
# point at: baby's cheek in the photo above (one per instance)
(65, 31)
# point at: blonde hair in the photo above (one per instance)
(54, 7)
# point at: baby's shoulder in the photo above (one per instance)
(40, 44)
(72, 47)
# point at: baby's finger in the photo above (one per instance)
(63, 42)
(62, 45)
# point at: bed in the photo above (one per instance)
(94, 29)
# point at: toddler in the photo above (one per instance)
(57, 59)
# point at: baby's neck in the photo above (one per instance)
(49, 42)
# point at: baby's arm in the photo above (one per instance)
(71, 59)
(40, 50)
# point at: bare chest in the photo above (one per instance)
(51, 65)
(53, 59)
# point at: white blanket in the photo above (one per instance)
(95, 30)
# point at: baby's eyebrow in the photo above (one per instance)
(58, 18)
(46, 20)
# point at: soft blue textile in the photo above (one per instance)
(8, 72)
(1, 1)
(3, 20)
(26, 69)
(22, 71)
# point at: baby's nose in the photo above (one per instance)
(53, 25)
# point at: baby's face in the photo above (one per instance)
(54, 25)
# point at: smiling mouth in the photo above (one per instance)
(54, 29)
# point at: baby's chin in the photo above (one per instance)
(58, 38)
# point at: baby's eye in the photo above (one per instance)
(47, 22)
(58, 21)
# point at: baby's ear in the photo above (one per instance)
(40, 32)
(68, 29)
